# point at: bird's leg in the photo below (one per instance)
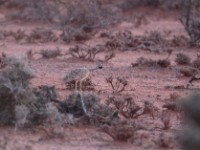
(76, 85)
(81, 85)
(82, 100)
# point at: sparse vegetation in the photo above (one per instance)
(190, 20)
(196, 63)
(182, 59)
(190, 135)
(50, 53)
(166, 120)
(41, 35)
(125, 105)
(188, 71)
(179, 41)
(117, 84)
(151, 63)
(21, 104)
(88, 53)
(150, 108)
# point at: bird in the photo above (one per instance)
(80, 74)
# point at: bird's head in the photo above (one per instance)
(99, 66)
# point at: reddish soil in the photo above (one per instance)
(144, 84)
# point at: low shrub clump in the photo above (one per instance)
(21, 104)
(151, 63)
(182, 59)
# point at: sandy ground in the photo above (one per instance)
(144, 83)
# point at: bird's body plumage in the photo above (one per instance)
(80, 74)
(77, 74)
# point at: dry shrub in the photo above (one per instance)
(20, 104)
(196, 63)
(87, 85)
(106, 34)
(42, 111)
(52, 53)
(90, 14)
(38, 35)
(41, 35)
(18, 35)
(139, 19)
(17, 3)
(109, 56)
(117, 84)
(155, 37)
(80, 24)
(182, 59)
(14, 89)
(190, 20)
(188, 71)
(84, 53)
(120, 130)
(125, 105)
(165, 118)
(179, 41)
(141, 61)
(72, 34)
(88, 53)
(113, 44)
(172, 103)
(163, 63)
(77, 19)
(99, 114)
(149, 108)
(122, 40)
(130, 4)
(30, 55)
(190, 138)
(125, 39)
(170, 4)
(191, 108)
(166, 140)
(4, 141)
(33, 10)
(21, 114)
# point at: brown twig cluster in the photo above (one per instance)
(87, 53)
(125, 40)
(145, 62)
(125, 105)
(37, 35)
(182, 59)
(90, 53)
(117, 84)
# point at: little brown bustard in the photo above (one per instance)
(79, 75)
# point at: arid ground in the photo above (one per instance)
(147, 80)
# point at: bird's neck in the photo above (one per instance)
(93, 69)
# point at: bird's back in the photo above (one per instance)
(77, 74)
